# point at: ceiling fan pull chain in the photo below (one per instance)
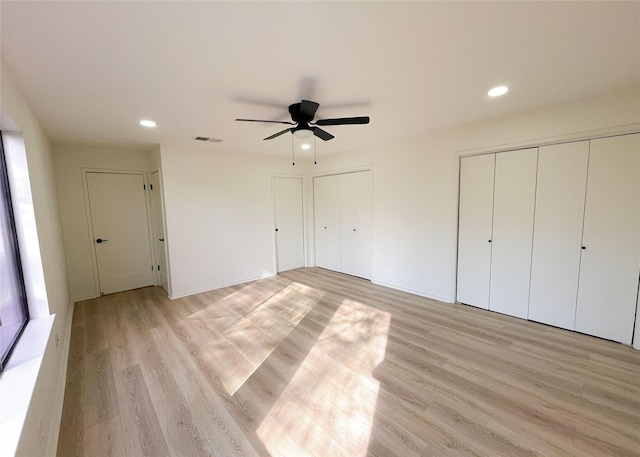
(293, 152)
(315, 151)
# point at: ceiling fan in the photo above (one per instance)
(302, 115)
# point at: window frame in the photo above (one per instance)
(5, 189)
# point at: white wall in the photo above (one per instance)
(40, 428)
(68, 164)
(155, 162)
(415, 184)
(219, 214)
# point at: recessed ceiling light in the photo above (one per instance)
(306, 146)
(147, 123)
(497, 91)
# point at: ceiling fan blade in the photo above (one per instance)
(271, 122)
(343, 121)
(308, 109)
(322, 134)
(278, 134)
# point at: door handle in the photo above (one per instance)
(276, 230)
(100, 240)
(161, 239)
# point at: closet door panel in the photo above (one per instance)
(363, 193)
(557, 233)
(474, 229)
(611, 261)
(356, 223)
(513, 206)
(320, 221)
(333, 197)
(348, 223)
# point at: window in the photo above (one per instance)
(14, 312)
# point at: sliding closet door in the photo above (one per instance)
(611, 241)
(557, 233)
(513, 205)
(475, 229)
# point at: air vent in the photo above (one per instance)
(204, 138)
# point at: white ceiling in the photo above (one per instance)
(92, 70)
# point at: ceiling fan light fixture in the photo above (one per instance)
(303, 134)
(498, 91)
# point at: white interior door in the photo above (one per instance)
(513, 205)
(611, 240)
(289, 222)
(475, 229)
(160, 242)
(121, 231)
(557, 233)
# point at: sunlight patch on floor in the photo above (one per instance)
(251, 339)
(328, 407)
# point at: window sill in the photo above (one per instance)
(18, 381)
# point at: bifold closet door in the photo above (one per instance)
(513, 207)
(334, 222)
(356, 212)
(475, 229)
(610, 263)
(320, 221)
(326, 213)
(557, 233)
(343, 222)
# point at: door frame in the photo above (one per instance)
(92, 247)
(273, 217)
(156, 254)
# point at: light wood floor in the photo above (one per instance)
(315, 363)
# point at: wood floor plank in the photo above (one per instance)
(120, 349)
(105, 438)
(71, 438)
(224, 436)
(182, 435)
(99, 393)
(95, 336)
(139, 423)
(316, 363)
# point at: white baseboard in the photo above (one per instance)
(56, 419)
(413, 291)
(220, 286)
(88, 297)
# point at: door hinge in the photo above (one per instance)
(144, 186)
(158, 267)
(151, 267)
(151, 186)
